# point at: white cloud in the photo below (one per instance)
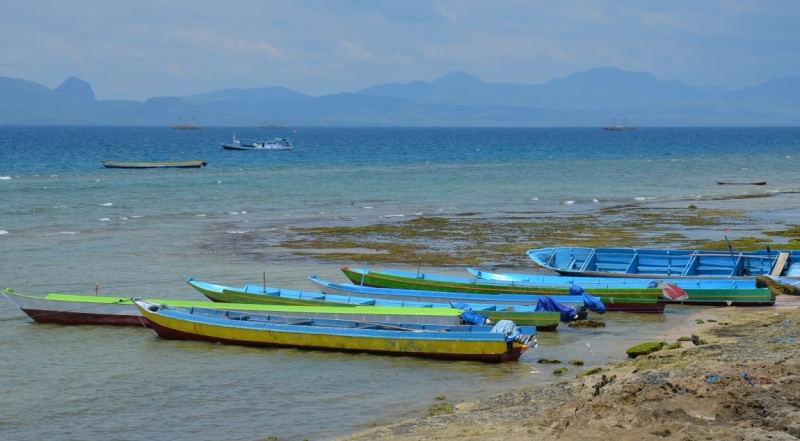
(354, 52)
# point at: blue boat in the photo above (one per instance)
(503, 342)
(544, 320)
(614, 282)
(638, 263)
(479, 302)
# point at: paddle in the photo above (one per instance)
(731, 250)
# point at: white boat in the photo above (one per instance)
(272, 144)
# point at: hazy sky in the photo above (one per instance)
(141, 49)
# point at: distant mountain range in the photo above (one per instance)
(589, 98)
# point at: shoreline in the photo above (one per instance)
(664, 395)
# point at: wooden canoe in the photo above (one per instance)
(194, 163)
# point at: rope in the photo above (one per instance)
(145, 326)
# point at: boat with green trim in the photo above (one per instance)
(520, 315)
(706, 292)
(92, 310)
(646, 300)
(503, 342)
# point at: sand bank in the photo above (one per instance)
(665, 395)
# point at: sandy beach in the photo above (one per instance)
(696, 392)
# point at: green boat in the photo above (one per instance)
(644, 300)
(520, 315)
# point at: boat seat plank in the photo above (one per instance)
(782, 258)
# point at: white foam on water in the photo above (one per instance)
(243, 212)
(135, 217)
(595, 200)
(569, 202)
(2, 232)
(123, 218)
(107, 204)
(534, 199)
(640, 198)
(5, 178)
(367, 208)
(418, 214)
(232, 212)
(96, 180)
(268, 229)
(105, 219)
(199, 215)
(60, 233)
(323, 213)
(219, 182)
(53, 176)
(236, 232)
(395, 215)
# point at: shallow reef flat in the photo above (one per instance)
(739, 382)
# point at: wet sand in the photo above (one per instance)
(665, 395)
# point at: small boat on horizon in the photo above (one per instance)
(742, 183)
(623, 128)
(272, 125)
(187, 125)
(193, 163)
(273, 144)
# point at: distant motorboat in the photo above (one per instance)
(623, 128)
(272, 144)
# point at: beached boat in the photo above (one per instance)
(648, 300)
(716, 292)
(430, 341)
(742, 183)
(644, 263)
(73, 309)
(193, 163)
(520, 315)
(273, 144)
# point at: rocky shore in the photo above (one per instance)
(738, 379)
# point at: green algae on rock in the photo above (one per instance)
(644, 349)
(589, 372)
(560, 371)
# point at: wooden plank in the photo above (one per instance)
(778, 268)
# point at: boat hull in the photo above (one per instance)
(630, 300)
(521, 316)
(714, 292)
(674, 264)
(457, 346)
(182, 164)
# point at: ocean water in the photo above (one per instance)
(67, 223)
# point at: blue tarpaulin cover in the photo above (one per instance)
(470, 316)
(546, 304)
(592, 303)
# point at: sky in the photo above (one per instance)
(142, 49)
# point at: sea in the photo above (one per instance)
(68, 225)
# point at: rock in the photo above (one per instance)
(693, 207)
(76, 88)
(576, 362)
(697, 340)
(676, 345)
(685, 339)
(587, 324)
(644, 349)
(590, 372)
(700, 321)
(711, 321)
(548, 361)
(560, 371)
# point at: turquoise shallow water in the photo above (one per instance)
(66, 223)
